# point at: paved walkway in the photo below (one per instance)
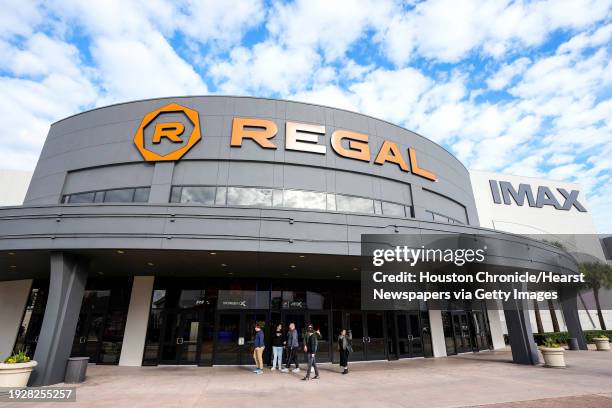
(459, 381)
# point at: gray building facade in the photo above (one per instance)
(133, 255)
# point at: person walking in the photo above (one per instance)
(310, 347)
(277, 348)
(292, 349)
(259, 346)
(345, 347)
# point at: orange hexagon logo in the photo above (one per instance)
(170, 131)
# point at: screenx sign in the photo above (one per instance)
(562, 200)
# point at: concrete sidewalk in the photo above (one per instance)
(459, 381)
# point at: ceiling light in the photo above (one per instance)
(293, 266)
(13, 266)
(223, 265)
(355, 269)
(150, 263)
(11, 253)
(213, 253)
(119, 251)
(302, 256)
(337, 276)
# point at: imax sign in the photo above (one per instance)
(563, 200)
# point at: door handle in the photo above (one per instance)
(179, 340)
(410, 337)
(82, 339)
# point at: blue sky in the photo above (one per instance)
(510, 86)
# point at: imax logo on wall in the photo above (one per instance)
(563, 200)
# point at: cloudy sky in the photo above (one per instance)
(511, 86)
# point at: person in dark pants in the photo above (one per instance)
(310, 347)
(345, 347)
(293, 346)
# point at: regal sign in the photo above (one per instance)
(168, 126)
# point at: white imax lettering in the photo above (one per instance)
(504, 191)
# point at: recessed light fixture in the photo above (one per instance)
(11, 253)
(100, 273)
(150, 263)
(119, 251)
(355, 269)
(230, 273)
(293, 266)
(223, 265)
(285, 274)
(337, 276)
(13, 266)
(302, 256)
(213, 253)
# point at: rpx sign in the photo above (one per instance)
(504, 190)
(170, 130)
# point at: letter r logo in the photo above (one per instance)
(170, 131)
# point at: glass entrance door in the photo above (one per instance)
(368, 331)
(320, 321)
(180, 336)
(480, 328)
(235, 336)
(90, 326)
(409, 340)
(461, 329)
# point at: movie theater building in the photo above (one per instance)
(159, 232)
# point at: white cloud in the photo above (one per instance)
(267, 68)
(221, 21)
(507, 73)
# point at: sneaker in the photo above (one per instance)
(259, 372)
(256, 370)
(305, 378)
(296, 370)
(273, 368)
(316, 377)
(284, 370)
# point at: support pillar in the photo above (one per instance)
(135, 333)
(438, 342)
(495, 326)
(66, 287)
(569, 305)
(524, 349)
(13, 299)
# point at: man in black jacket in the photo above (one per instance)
(311, 344)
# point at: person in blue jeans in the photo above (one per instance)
(258, 349)
(277, 348)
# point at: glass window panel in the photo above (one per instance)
(393, 209)
(124, 195)
(159, 299)
(99, 198)
(354, 204)
(141, 195)
(65, 199)
(249, 196)
(175, 195)
(202, 195)
(409, 212)
(221, 198)
(81, 198)
(331, 202)
(277, 198)
(377, 207)
(304, 199)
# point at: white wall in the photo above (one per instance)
(13, 186)
(137, 321)
(575, 229)
(13, 299)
